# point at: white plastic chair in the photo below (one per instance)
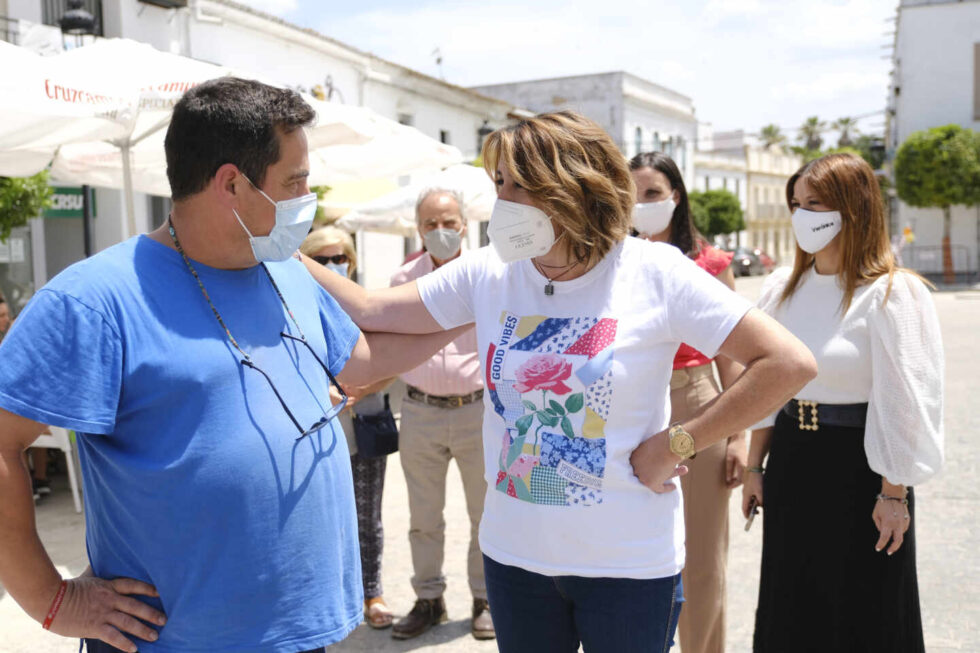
(58, 438)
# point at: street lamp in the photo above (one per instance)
(77, 21)
(481, 133)
(80, 23)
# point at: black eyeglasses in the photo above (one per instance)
(338, 259)
(329, 415)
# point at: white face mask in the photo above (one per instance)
(653, 217)
(443, 243)
(815, 229)
(518, 231)
(293, 220)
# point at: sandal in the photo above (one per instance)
(377, 614)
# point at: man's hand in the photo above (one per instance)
(736, 453)
(94, 608)
(654, 464)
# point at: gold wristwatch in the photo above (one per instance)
(681, 442)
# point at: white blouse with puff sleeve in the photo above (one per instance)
(886, 353)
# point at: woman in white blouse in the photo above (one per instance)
(577, 326)
(838, 557)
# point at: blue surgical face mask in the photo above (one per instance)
(293, 220)
(339, 268)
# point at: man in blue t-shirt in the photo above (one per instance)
(195, 364)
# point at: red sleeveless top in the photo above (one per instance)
(713, 261)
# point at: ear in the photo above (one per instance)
(676, 195)
(228, 185)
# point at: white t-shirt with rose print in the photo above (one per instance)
(574, 382)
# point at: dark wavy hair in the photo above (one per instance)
(683, 235)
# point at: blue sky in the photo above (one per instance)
(745, 63)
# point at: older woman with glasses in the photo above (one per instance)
(333, 248)
(577, 327)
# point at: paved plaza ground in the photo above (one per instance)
(948, 533)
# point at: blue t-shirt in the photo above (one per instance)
(194, 480)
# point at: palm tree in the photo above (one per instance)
(847, 128)
(810, 133)
(771, 135)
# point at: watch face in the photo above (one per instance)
(681, 443)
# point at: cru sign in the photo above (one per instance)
(66, 202)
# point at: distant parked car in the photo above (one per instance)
(767, 262)
(745, 263)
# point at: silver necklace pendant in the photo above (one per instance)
(549, 289)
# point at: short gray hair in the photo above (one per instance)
(439, 190)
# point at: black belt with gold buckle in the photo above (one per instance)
(443, 401)
(811, 414)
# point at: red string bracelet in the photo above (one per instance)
(55, 605)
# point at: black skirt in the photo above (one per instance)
(823, 587)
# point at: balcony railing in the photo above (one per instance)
(9, 30)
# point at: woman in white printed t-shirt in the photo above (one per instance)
(838, 553)
(577, 325)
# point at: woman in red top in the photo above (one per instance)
(662, 213)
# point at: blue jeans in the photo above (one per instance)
(535, 613)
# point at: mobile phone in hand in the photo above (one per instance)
(753, 511)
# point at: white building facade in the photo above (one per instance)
(935, 81)
(234, 35)
(639, 115)
(757, 175)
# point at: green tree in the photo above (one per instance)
(810, 133)
(716, 212)
(771, 135)
(940, 168)
(846, 127)
(872, 150)
(22, 198)
(805, 154)
(320, 218)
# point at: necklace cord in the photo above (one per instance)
(200, 284)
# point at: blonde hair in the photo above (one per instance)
(326, 236)
(574, 172)
(846, 183)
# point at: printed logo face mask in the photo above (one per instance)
(815, 229)
(518, 231)
(443, 243)
(293, 220)
(653, 217)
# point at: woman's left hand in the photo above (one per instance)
(654, 464)
(736, 453)
(892, 519)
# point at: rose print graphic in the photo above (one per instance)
(547, 378)
(547, 373)
(544, 372)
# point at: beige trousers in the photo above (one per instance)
(702, 622)
(428, 438)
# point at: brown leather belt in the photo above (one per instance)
(440, 401)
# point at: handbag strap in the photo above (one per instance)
(353, 413)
